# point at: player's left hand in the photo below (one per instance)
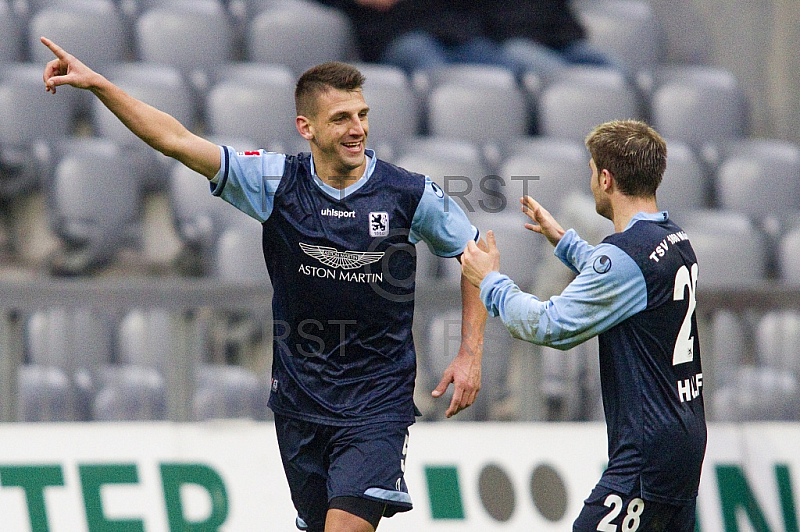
(464, 372)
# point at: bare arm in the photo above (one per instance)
(465, 369)
(158, 129)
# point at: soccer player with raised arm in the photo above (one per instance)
(636, 291)
(339, 226)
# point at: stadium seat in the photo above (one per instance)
(778, 341)
(730, 248)
(545, 168)
(227, 392)
(45, 394)
(759, 177)
(255, 101)
(458, 166)
(570, 389)
(272, 35)
(32, 121)
(91, 30)
(144, 338)
(238, 254)
(788, 253)
(758, 394)
(576, 99)
(194, 36)
(11, 45)
(703, 106)
(199, 217)
(95, 211)
(520, 249)
(161, 86)
(394, 113)
(685, 184)
(477, 103)
(442, 345)
(75, 341)
(128, 392)
(627, 30)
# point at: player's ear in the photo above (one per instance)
(304, 127)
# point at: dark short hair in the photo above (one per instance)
(633, 152)
(321, 78)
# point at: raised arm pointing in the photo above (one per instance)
(158, 129)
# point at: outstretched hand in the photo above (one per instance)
(544, 223)
(65, 70)
(480, 259)
(464, 372)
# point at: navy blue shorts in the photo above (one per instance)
(322, 462)
(608, 511)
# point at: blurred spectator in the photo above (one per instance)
(522, 35)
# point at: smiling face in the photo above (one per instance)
(337, 132)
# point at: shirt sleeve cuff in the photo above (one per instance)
(488, 285)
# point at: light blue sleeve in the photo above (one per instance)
(609, 288)
(573, 251)
(441, 223)
(248, 180)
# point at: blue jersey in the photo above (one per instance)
(342, 266)
(636, 290)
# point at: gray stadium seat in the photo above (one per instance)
(702, 106)
(441, 346)
(71, 339)
(576, 99)
(32, 121)
(759, 177)
(521, 250)
(144, 338)
(547, 169)
(758, 394)
(199, 217)
(788, 252)
(394, 113)
(227, 392)
(128, 392)
(778, 341)
(96, 210)
(458, 166)
(685, 183)
(45, 394)
(11, 45)
(161, 86)
(628, 30)
(195, 36)
(711, 233)
(253, 100)
(238, 254)
(272, 35)
(91, 30)
(570, 388)
(76, 341)
(477, 103)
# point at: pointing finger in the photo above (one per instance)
(56, 49)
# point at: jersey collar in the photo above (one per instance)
(662, 216)
(335, 193)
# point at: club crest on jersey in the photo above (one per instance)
(379, 224)
(602, 264)
(346, 260)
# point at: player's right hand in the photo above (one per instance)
(544, 223)
(65, 70)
